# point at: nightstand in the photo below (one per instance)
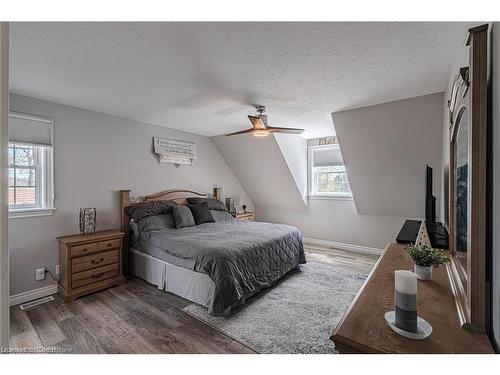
(89, 263)
(250, 216)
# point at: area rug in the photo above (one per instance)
(297, 315)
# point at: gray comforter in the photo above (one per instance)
(241, 257)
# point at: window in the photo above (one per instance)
(30, 166)
(24, 173)
(327, 173)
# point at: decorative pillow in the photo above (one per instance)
(141, 210)
(156, 222)
(201, 213)
(212, 203)
(182, 216)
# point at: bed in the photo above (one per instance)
(218, 264)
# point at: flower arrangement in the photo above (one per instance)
(426, 256)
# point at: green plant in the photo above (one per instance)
(426, 256)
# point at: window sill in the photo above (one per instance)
(31, 212)
(336, 197)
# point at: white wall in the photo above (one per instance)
(337, 221)
(294, 150)
(95, 156)
(260, 166)
(385, 149)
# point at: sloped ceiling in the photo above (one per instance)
(204, 77)
(294, 150)
(385, 149)
(259, 165)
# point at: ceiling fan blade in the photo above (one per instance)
(241, 132)
(257, 122)
(284, 130)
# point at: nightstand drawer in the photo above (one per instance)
(84, 249)
(92, 276)
(110, 244)
(93, 261)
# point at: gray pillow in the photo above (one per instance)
(141, 210)
(201, 214)
(156, 222)
(212, 203)
(182, 216)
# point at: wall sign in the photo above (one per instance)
(174, 151)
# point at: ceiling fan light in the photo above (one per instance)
(261, 133)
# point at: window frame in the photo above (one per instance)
(45, 176)
(312, 194)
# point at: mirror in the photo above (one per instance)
(461, 187)
(467, 184)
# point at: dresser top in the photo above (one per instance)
(363, 328)
(90, 237)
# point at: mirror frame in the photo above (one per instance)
(469, 92)
(463, 110)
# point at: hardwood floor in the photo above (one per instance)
(138, 318)
(132, 318)
(344, 259)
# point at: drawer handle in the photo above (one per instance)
(110, 244)
(97, 261)
(97, 275)
(84, 249)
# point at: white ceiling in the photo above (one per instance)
(202, 77)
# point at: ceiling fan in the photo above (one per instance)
(261, 127)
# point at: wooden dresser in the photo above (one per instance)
(250, 216)
(363, 328)
(89, 263)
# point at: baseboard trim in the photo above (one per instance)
(344, 246)
(30, 295)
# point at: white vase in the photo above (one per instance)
(423, 273)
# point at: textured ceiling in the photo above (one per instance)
(203, 77)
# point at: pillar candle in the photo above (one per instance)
(406, 300)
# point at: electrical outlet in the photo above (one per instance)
(58, 269)
(40, 273)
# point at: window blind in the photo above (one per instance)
(328, 157)
(32, 130)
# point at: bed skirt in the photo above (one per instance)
(194, 286)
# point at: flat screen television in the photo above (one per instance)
(430, 202)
